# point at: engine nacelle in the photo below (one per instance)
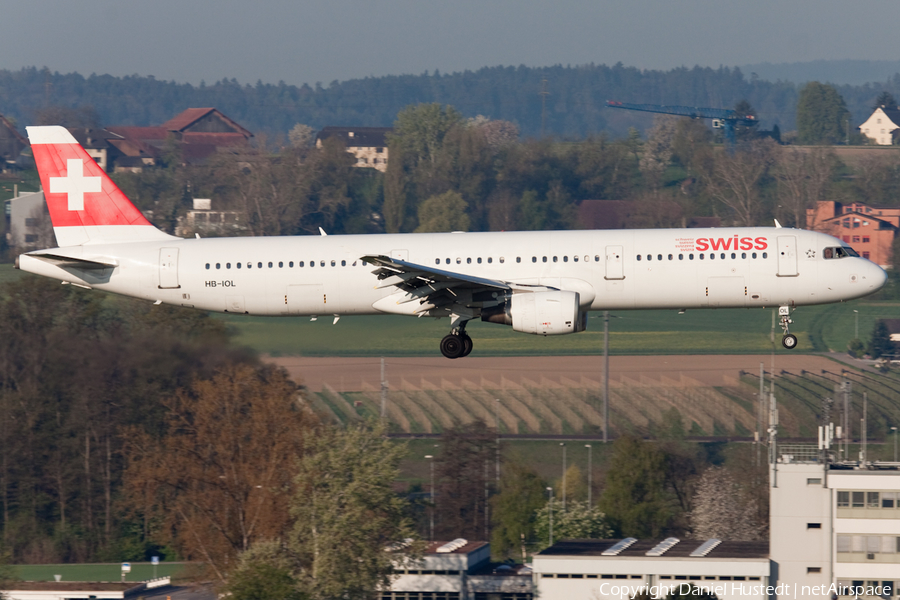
(540, 313)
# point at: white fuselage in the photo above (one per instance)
(618, 269)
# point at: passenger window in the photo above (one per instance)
(437, 261)
(490, 260)
(639, 257)
(712, 256)
(545, 259)
(554, 259)
(596, 258)
(659, 257)
(722, 256)
(765, 255)
(238, 265)
(468, 261)
(259, 265)
(300, 264)
(333, 263)
(575, 258)
(448, 261)
(312, 263)
(280, 264)
(270, 264)
(691, 256)
(207, 266)
(218, 266)
(701, 256)
(733, 255)
(565, 259)
(459, 261)
(743, 255)
(227, 265)
(753, 255)
(291, 264)
(670, 257)
(518, 259)
(478, 260)
(343, 263)
(502, 260)
(681, 257)
(649, 257)
(534, 259)
(321, 263)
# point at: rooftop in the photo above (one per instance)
(640, 548)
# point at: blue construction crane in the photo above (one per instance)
(722, 117)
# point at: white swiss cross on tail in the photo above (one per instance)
(75, 184)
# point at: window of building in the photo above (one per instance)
(865, 239)
(813, 570)
(814, 526)
(813, 481)
(872, 500)
(865, 254)
(843, 499)
(856, 239)
(859, 499)
(888, 499)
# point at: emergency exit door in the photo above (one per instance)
(168, 268)
(787, 256)
(614, 263)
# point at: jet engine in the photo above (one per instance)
(540, 313)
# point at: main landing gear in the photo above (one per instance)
(458, 344)
(789, 340)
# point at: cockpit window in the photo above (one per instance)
(839, 252)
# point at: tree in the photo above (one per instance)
(885, 100)
(578, 521)
(804, 177)
(301, 135)
(345, 513)
(220, 477)
(880, 344)
(734, 179)
(658, 148)
(266, 571)
(635, 498)
(444, 212)
(521, 495)
(822, 115)
(575, 487)
(723, 509)
(467, 452)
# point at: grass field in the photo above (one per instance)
(96, 572)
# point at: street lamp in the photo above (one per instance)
(894, 429)
(550, 489)
(563, 444)
(431, 462)
(590, 453)
(497, 427)
(856, 315)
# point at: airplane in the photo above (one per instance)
(537, 282)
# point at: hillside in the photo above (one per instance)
(575, 104)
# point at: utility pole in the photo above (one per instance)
(605, 376)
(590, 471)
(856, 314)
(383, 390)
(563, 444)
(863, 434)
(544, 93)
(550, 489)
(497, 426)
(760, 410)
(894, 429)
(431, 462)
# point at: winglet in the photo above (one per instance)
(777, 224)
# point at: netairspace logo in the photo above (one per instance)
(783, 590)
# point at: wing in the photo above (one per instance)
(434, 288)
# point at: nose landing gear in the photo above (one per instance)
(789, 341)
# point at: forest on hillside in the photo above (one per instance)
(572, 107)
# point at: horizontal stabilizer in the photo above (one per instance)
(78, 262)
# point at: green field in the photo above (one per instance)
(726, 331)
(96, 572)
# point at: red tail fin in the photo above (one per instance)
(85, 205)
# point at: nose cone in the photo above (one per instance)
(876, 277)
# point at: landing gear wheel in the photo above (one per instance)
(452, 346)
(789, 341)
(467, 345)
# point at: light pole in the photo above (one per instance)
(550, 489)
(590, 452)
(856, 315)
(497, 427)
(563, 444)
(894, 429)
(431, 462)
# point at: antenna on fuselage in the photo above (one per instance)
(777, 225)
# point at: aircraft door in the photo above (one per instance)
(614, 263)
(168, 268)
(787, 256)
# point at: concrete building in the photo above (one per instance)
(835, 523)
(882, 126)
(89, 590)
(367, 144)
(28, 227)
(870, 230)
(617, 569)
(458, 570)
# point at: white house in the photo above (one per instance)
(881, 126)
